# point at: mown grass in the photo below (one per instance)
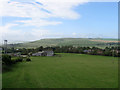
(67, 71)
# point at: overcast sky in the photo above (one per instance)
(29, 20)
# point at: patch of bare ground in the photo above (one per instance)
(105, 41)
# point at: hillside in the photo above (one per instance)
(67, 42)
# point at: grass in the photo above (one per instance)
(67, 71)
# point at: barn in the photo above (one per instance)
(44, 53)
(37, 54)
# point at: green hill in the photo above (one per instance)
(68, 41)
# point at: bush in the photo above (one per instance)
(19, 59)
(6, 59)
(28, 59)
(13, 62)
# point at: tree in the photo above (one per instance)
(6, 59)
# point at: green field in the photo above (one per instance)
(66, 71)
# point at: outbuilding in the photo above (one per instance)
(44, 53)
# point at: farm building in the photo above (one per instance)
(49, 53)
(87, 51)
(44, 53)
(37, 54)
(24, 56)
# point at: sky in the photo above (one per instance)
(30, 20)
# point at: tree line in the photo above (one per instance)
(108, 51)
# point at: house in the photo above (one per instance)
(100, 52)
(117, 51)
(49, 52)
(44, 53)
(24, 56)
(87, 51)
(37, 54)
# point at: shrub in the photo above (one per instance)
(13, 62)
(19, 59)
(6, 59)
(28, 59)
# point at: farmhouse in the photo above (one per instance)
(44, 53)
(87, 51)
(49, 53)
(37, 54)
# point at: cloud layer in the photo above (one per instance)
(39, 12)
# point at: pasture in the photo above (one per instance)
(65, 71)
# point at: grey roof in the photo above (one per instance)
(48, 53)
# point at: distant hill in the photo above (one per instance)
(68, 41)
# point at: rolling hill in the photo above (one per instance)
(67, 42)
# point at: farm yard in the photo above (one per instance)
(64, 71)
